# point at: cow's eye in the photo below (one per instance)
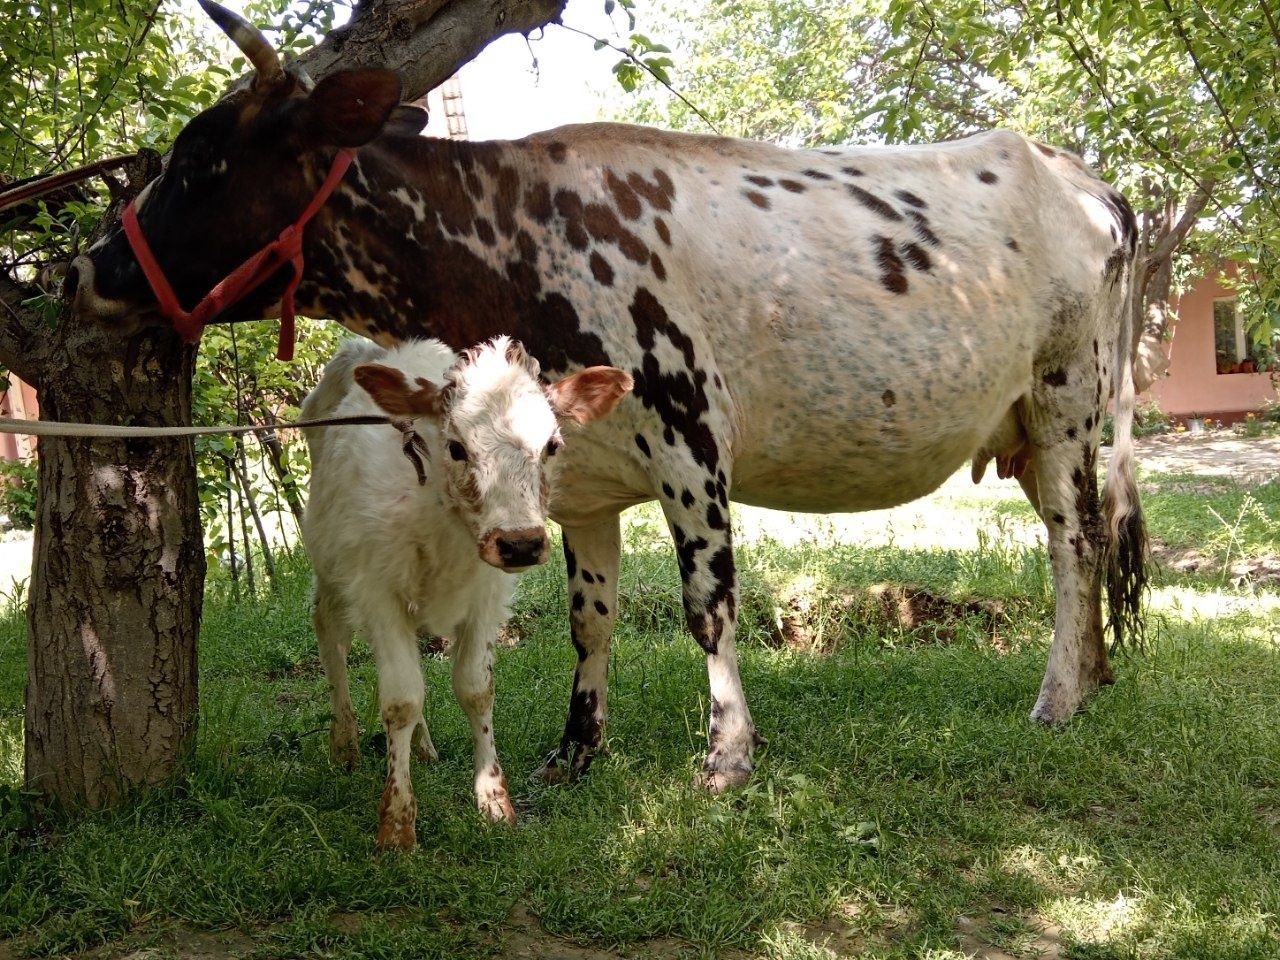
(554, 444)
(457, 450)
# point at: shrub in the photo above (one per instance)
(18, 492)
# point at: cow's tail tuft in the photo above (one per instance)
(1127, 553)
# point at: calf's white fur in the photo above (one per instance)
(393, 554)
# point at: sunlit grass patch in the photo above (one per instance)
(904, 805)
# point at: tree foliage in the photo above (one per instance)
(1176, 101)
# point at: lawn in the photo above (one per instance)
(904, 806)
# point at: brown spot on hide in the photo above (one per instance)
(816, 174)
(506, 200)
(889, 398)
(603, 224)
(892, 275)
(792, 186)
(910, 199)
(851, 171)
(872, 202)
(655, 263)
(601, 270)
(484, 232)
(625, 198)
(917, 256)
(664, 232)
(1012, 244)
(921, 225)
(759, 199)
(659, 193)
(537, 202)
(557, 151)
(759, 181)
(569, 206)
(986, 176)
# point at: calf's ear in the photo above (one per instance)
(588, 394)
(392, 393)
(348, 108)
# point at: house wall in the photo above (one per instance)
(1194, 384)
(18, 401)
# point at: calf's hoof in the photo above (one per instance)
(397, 833)
(495, 806)
(344, 748)
(423, 749)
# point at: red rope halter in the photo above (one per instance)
(285, 249)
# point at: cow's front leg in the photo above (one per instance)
(699, 521)
(400, 694)
(473, 686)
(591, 557)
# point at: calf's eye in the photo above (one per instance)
(457, 450)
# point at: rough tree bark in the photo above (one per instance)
(118, 573)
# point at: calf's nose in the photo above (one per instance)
(522, 551)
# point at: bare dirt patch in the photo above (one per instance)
(902, 610)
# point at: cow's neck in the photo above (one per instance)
(424, 239)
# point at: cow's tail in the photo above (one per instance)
(334, 385)
(1126, 553)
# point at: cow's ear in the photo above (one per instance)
(408, 119)
(348, 108)
(588, 394)
(391, 391)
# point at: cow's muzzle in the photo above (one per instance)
(90, 307)
(515, 550)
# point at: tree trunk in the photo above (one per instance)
(118, 574)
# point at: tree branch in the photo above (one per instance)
(425, 41)
(1190, 216)
(21, 344)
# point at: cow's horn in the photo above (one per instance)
(250, 40)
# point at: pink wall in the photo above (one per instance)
(18, 401)
(1193, 384)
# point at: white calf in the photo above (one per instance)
(393, 552)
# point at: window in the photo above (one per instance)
(1233, 350)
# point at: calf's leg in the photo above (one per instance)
(333, 638)
(400, 694)
(591, 559)
(473, 686)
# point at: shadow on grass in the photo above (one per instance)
(903, 805)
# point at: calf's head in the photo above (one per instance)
(239, 173)
(497, 428)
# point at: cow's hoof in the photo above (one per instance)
(423, 749)
(559, 768)
(1054, 710)
(496, 807)
(720, 774)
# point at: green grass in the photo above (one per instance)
(902, 788)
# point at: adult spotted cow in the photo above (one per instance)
(819, 330)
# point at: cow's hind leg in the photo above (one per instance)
(699, 521)
(591, 559)
(333, 638)
(1064, 426)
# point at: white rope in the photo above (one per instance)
(58, 428)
